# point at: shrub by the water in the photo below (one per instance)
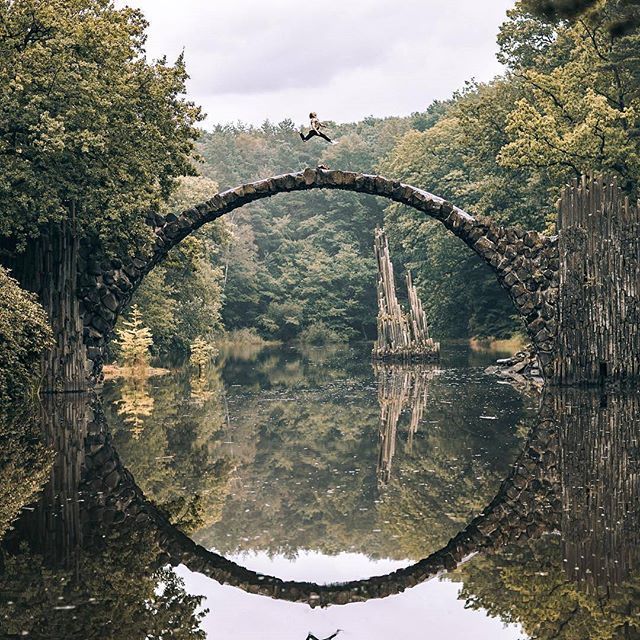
(24, 334)
(134, 341)
(202, 352)
(318, 334)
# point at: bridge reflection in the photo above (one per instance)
(91, 524)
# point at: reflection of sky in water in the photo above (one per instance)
(429, 610)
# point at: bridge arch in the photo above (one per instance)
(525, 262)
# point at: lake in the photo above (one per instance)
(293, 475)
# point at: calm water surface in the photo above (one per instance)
(314, 466)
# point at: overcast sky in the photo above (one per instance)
(250, 60)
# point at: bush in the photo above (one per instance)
(318, 333)
(134, 341)
(202, 353)
(243, 336)
(24, 334)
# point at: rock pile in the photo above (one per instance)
(522, 370)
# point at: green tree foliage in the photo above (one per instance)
(582, 114)
(181, 298)
(559, 9)
(89, 129)
(318, 334)
(24, 334)
(455, 158)
(568, 104)
(305, 257)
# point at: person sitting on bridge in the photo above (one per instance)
(316, 125)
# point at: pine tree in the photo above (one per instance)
(134, 341)
(202, 352)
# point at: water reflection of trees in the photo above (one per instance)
(24, 461)
(86, 561)
(74, 566)
(135, 403)
(180, 459)
(307, 448)
(526, 583)
(581, 579)
(303, 439)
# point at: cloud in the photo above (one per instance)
(250, 60)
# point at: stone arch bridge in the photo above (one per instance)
(583, 326)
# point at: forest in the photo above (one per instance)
(301, 266)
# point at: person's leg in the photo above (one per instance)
(309, 135)
(322, 135)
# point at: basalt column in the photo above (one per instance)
(599, 297)
(49, 268)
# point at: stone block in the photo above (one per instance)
(495, 260)
(518, 290)
(510, 235)
(542, 336)
(494, 231)
(531, 239)
(524, 273)
(379, 185)
(485, 247)
(475, 234)
(510, 279)
(261, 186)
(335, 177)
(526, 306)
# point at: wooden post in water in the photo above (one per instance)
(599, 285)
(400, 336)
